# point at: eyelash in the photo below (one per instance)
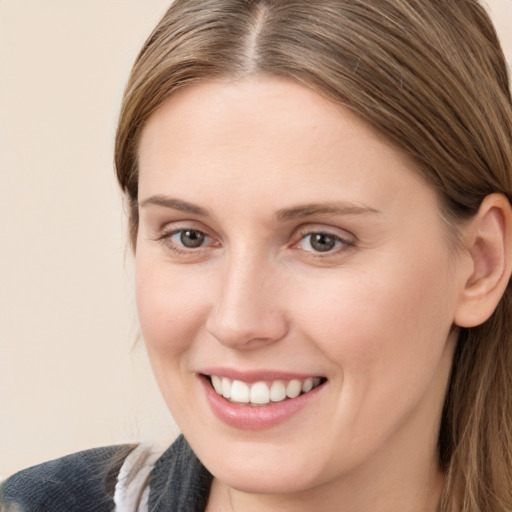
(166, 240)
(340, 243)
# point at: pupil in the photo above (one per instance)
(191, 238)
(322, 242)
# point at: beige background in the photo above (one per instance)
(70, 375)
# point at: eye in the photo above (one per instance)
(187, 242)
(183, 239)
(189, 238)
(321, 242)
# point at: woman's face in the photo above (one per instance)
(284, 245)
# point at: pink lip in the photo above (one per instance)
(249, 417)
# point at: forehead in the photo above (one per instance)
(267, 136)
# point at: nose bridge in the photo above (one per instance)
(246, 313)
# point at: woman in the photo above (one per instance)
(319, 210)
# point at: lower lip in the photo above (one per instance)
(248, 417)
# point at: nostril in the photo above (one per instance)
(246, 335)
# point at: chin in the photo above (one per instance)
(262, 466)
(260, 479)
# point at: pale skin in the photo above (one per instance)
(256, 169)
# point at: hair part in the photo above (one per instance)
(431, 77)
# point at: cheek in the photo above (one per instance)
(386, 334)
(169, 307)
(385, 324)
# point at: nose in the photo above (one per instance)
(246, 314)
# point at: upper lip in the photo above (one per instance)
(251, 376)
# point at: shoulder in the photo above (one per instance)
(120, 478)
(68, 483)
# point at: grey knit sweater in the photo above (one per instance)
(86, 482)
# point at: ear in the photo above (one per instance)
(488, 244)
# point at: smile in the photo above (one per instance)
(263, 392)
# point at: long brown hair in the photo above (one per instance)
(431, 77)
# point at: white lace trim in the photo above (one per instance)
(132, 489)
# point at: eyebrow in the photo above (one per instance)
(308, 210)
(285, 214)
(175, 204)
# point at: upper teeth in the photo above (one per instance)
(260, 393)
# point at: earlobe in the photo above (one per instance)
(489, 247)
